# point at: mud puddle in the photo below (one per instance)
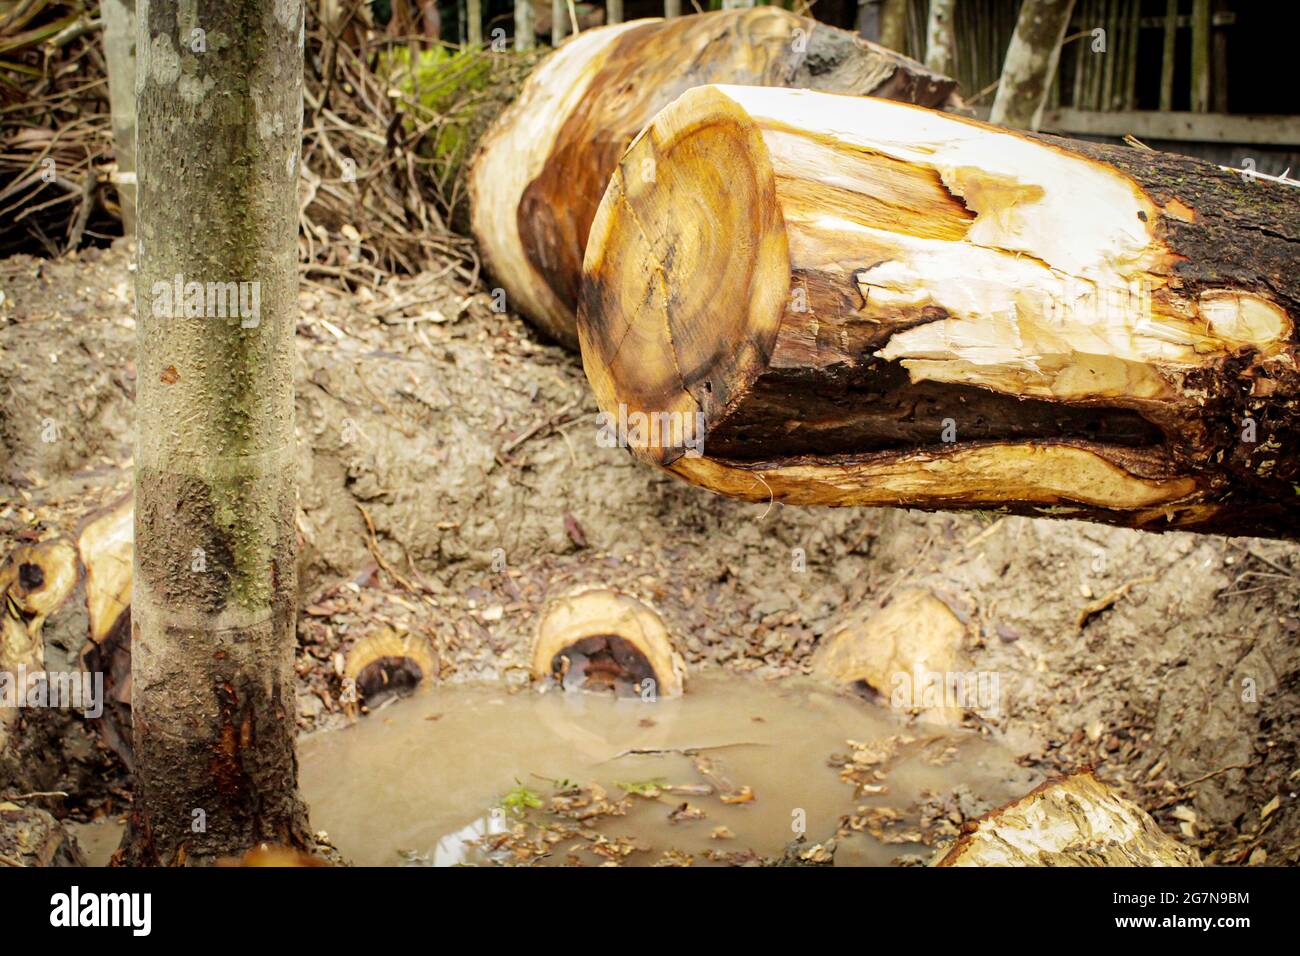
(478, 774)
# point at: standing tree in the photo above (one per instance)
(559, 22)
(893, 25)
(939, 38)
(474, 22)
(213, 605)
(525, 28)
(119, 53)
(1031, 63)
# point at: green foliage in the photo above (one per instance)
(440, 89)
(643, 788)
(448, 97)
(520, 799)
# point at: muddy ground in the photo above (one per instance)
(470, 445)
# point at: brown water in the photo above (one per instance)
(413, 781)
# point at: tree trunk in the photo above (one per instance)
(1074, 821)
(474, 22)
(939, 37)
(1031, 63)
(893, 24)
(213, 601)
(559, 21)
(541, 169)
(119, 53)
(525, 30)
(865, 303)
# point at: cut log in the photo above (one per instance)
(540, 170)
(905, 654)
(105, 547)
(385, 664)
(847, 301)
(601, 640)
(35, 581)
(1076, 821)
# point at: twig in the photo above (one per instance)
(373, 545)
(1215, 773)
(88, 189)
(684, 751)
(37, 793)
(546, 423)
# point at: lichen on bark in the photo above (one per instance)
(219, 88)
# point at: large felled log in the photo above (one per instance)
(847, 301)
(540, 171)
(1074, 821)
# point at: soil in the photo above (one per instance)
(1170, 663)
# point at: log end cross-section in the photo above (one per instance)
(849, 301)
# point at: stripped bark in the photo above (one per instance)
(856, 302)
(213, 602)
(541, 170)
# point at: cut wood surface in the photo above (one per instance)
(540, 171)
(1076, 821)
(892, 650)
(859, 302)
(105, 545)
(606, 638)
(384, 664)
(35, 581)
